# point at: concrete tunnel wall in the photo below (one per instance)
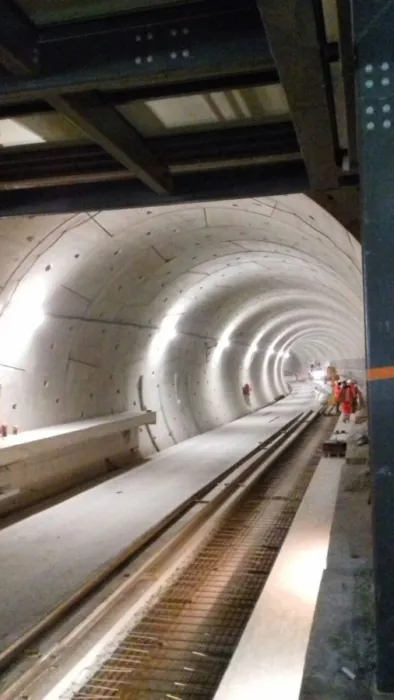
(176, 307)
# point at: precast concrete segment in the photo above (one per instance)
(47, 557)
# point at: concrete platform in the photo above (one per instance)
(269, 660)
(33, 443)
(340, 661)
(50, 555)
(40, 463)
(311, 633)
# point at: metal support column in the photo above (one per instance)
(373, 35)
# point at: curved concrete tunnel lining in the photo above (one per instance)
(182, 311)
(280, 333)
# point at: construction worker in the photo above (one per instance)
(247, 390)
(337, 388)
(355, 395)
(346, 401)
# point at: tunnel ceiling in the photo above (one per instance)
(131, 103)
(172, 309)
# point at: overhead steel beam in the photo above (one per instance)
(106, 127)
(50, 164)
(18, 40)
(197, 85)
(260, 140)
(175, 44)
(291, 29)
(227, 183)
(205, 84)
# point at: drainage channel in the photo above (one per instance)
(181, 647)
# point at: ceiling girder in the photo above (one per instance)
(172, 44)
(217, 184)
(50, 164)
(226, 183)
(292, 32)
(106, 127)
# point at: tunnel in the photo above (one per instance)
(172, 309)
(196, 349)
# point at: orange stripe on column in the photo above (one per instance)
(376, 373)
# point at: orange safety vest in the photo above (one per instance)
(346, 399)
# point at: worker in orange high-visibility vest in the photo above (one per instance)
(346, 400)
(356, 396)
(337, 388)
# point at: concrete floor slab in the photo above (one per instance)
(48, 556)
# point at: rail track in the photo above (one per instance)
(182, 634)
